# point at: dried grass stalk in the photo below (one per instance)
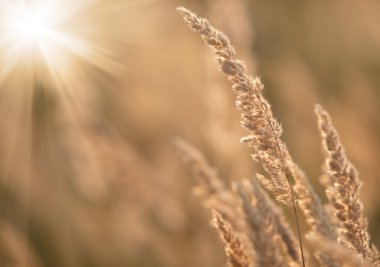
(315, 215)
(268, 230)
(210, 187)
(257, 117)
(233, 17)
(283, 228)
(235, 251)
(222, 202)
(343, 192)
(264, 219)
(335, 251)
(263, 233)
(311, 205)
(207, 178)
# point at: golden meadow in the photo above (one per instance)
(97, 122)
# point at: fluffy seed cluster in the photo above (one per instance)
(236, 254)
(210, 187)
(259, 210)
(343, 192)
(262, 228)
(264, 238)
(315, 215)
(257, 117)
(333, 250)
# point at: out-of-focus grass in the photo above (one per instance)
(94, 181)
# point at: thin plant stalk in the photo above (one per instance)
(265, 131)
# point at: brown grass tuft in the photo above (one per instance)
(236, 254)
(272, 241)
(333, 250)
(257, 117)
(343, 192)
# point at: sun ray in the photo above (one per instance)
(64, 48)
(39, 31)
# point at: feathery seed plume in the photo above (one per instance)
(283, 228)
(341, 255)
(315, 214)
(236, 254)
(257, 117)
(343, 192)
(210, 187)
(263, 226)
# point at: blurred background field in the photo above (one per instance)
(88, 174)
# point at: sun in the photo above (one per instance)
(28, 27)
(32, 41)
(61, 53)
(33, 27)
(43, 33)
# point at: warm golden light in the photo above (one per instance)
(30, 26)
(53, 35)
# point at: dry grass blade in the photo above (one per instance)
(260, 220)
(343, 192)
(219, 199)
(333, 250)
(234, 18)
(207, 178)
(315, 215)
(216, 196)
(257, 118)
(283, 228)
(210, 187)
(236, 254)
(311, 205)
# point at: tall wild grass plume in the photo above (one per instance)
(263, 237)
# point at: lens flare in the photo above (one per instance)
(57, 55)
(33, 26)
(44, 33)
(26, 28)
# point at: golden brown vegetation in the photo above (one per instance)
(88, 175)
(260, 215)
